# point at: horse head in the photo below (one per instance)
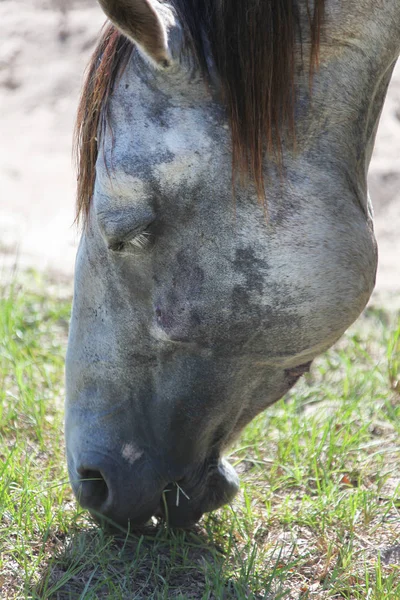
(227, 235)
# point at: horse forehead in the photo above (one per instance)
(155, 136)
(177, 110)
(176, 128)
(181, 149)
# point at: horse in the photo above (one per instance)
(226, 233)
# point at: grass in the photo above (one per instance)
(318, 515)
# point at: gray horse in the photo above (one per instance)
(227, 239)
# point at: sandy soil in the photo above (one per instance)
(44, 49)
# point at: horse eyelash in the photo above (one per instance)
(139, 242)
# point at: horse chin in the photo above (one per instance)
(184, 502)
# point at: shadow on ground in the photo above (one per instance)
(153, 563)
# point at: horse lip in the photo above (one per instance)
(184, 502)
(168, 511)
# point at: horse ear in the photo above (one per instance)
(144, 22)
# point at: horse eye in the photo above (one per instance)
(141, 241)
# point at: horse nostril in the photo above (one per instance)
(93, 490)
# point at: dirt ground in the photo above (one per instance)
(43, 52)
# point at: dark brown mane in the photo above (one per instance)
(252, 44)
(111, 54)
